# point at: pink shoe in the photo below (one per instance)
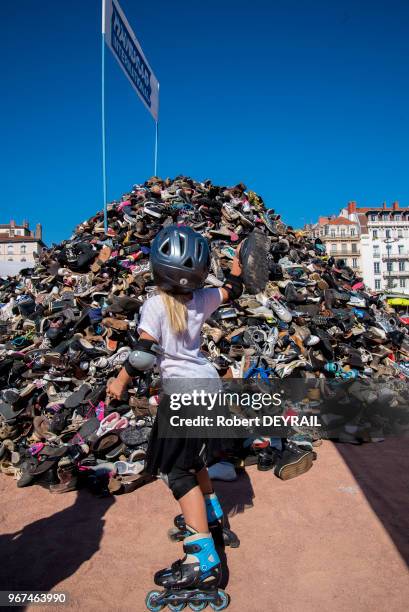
(122, 423)
(108, 423)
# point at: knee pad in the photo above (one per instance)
(142, 358)
(181, 482)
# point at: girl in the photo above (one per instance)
(169, 328)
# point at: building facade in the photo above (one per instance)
(384, 245)
(373, 240)
(17, 246)
(341, 237)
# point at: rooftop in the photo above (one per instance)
(7, 238)
(336, 221)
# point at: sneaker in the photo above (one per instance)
(281, 311)
(265, 459)
(302, 439)
(292, 461)
(254, 262)
(153, 209)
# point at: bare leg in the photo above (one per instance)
(194, 510)
(204, 481)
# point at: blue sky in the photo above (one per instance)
(305, 101)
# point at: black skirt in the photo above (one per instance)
(186, 453)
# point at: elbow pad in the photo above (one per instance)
(142, 358)
(233, 286)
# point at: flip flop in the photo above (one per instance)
(108, 423)
(125, 468)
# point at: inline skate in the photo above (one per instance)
(191, 581)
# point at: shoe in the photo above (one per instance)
(292, 461)
(254, 261)
(276, 306)
(265, 459)
(153, 209)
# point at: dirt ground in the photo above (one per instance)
(337, 538)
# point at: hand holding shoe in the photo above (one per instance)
(116, 388)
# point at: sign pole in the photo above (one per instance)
(156, 140)
(156, 148)
(104, 172)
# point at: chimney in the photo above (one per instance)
(351, 207)
(25, 224)
(395, 205)
(384, 206)
(12, 223)
(39, 232)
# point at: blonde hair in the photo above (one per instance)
(176, 311)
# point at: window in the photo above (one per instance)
(402, 282)
(401, 266)
(377, 284)
(376, 250)
(354, 262)
(400, 249)
(326, 230)
(23, 259)
(344, 247)
(23, 249)
(385, 217)
(332, 233)
(354, 248)
(388, 233)
(400, 233)
(397, 217)
(375, 234)
(10, 248)
(352, 231)
(333, 248)
(373, 217)
(342, 231)
(10, 259)
(377, 267)
(389, 266)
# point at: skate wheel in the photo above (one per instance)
(176, 607)
(150, 601)
(197, 606)
(224, 601)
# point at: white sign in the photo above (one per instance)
(125, 46)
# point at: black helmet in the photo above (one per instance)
(179, 259)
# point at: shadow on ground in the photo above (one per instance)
(382, 472)
(46, 552)
(235, 497)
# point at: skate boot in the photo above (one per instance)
(215, 519)
(191, 581)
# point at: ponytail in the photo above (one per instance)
(176, 311)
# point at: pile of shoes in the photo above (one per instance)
(68, 325)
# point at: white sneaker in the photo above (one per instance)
(262, 312)
(312, 340)
(272, 302)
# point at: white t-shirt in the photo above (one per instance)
(181, 357)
